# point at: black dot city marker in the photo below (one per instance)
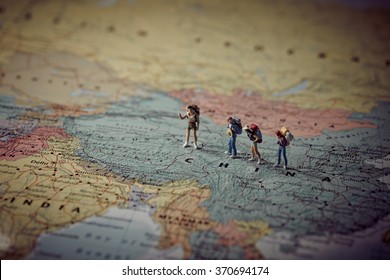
(28, 16)
(322, 55)
(142, 33)
(56, 20)
(258, 48)
(355, 59)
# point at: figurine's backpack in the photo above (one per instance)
(236, 125)
(287, 134)
(255, 130)
(254, 127)
(195, 108)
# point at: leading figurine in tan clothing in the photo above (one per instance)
(193, 112)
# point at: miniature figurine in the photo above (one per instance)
(254, 134)
(282, 142)
(193, 112)
(234, 128)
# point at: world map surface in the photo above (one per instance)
(92, 164)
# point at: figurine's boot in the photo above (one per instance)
(185, 145)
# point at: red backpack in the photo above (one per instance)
(255, 130)
(254, 127)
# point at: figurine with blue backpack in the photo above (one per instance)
(254, 134)
(234, 128)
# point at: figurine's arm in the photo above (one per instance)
(197, 123)
(182, 117)
(256, 138)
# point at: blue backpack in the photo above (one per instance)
(236, 125)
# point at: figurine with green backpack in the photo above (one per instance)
(284, 139)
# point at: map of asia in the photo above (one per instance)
(92, 164)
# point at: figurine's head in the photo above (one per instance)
(279, 134)
(190, 110)
(229, 119)
(193, 109)
(247, 128)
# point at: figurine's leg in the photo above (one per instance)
(285, 157)
(187, 138)
(234, 138)
(230, 146)
(195, 139)
(252, 153)
(257, 153)
(279, 154)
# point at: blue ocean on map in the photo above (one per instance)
(118, 234)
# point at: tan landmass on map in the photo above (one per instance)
(243, 234)
(65, 83)
(179, 212)
(341, 53)
(50, 190)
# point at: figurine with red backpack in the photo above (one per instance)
(254, 134)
